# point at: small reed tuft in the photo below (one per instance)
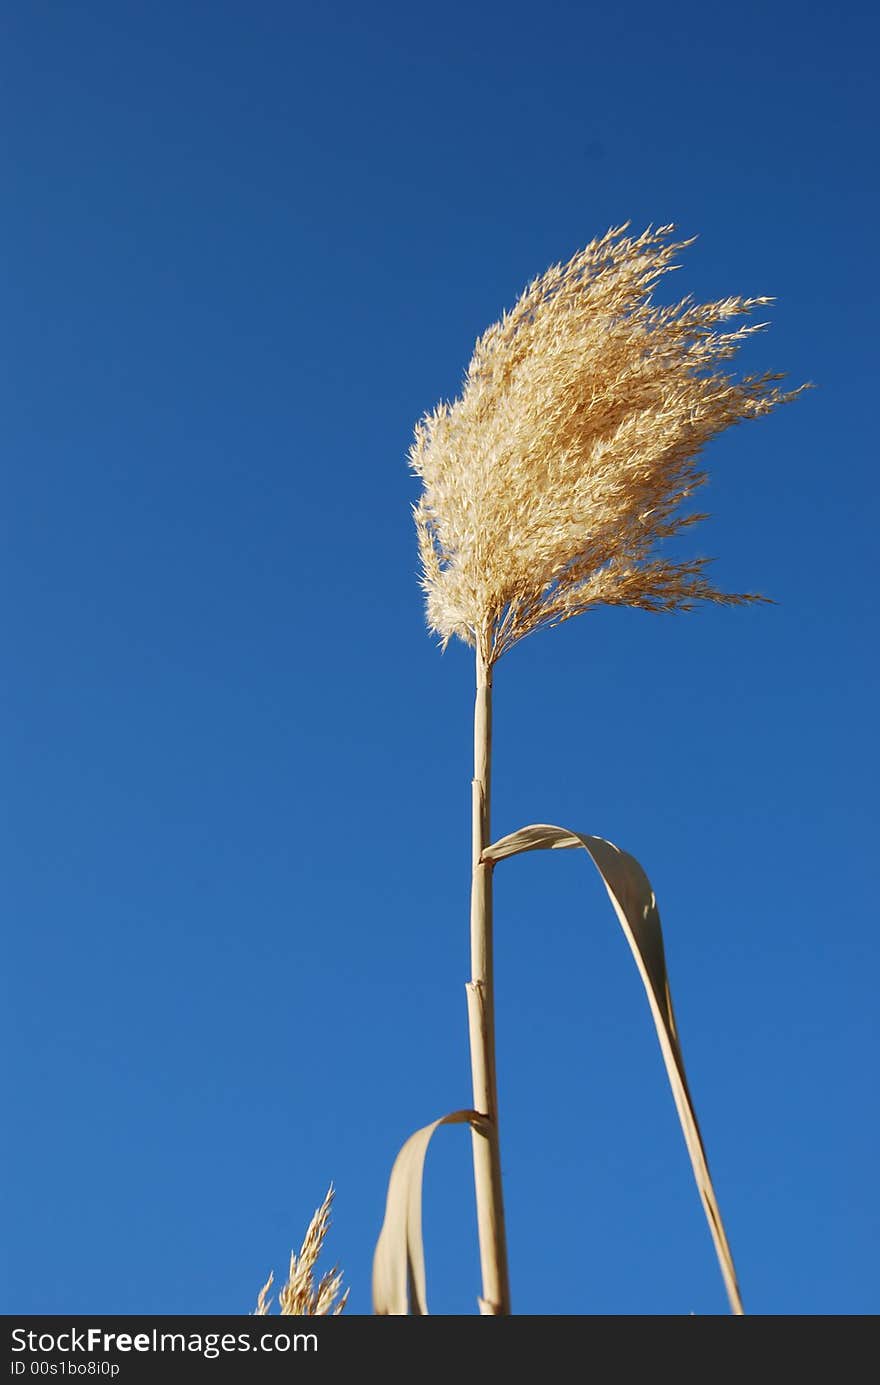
(548, 484)
(300, 1296)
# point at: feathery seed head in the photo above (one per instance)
(548, 483)
(301, 1296)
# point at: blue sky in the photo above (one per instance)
(245, 247)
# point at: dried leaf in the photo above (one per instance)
(399, 1260)
(636, 907)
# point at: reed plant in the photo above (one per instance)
(548, 489)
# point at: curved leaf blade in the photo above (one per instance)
(399, 1259)
(635, 905)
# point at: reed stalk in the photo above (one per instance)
(495, 1298)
